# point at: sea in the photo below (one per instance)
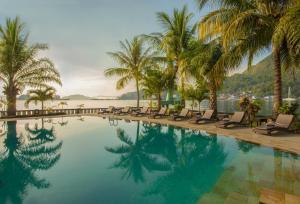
(227, 106)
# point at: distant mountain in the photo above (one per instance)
(130, 96)
(259, 80)
(26, 96)
(77, 97)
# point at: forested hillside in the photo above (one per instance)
(259, 80)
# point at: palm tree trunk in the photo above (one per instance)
(11, 97)
(182, 92)
(138, 94)
(277, 81)
(213, 97)
(42, 106)
(159, 101)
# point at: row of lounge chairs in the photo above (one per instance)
(283, 121)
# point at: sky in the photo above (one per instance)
(79, 34)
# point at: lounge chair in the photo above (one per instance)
(236, 119)
(282, 123)
(142, 112)
(123, 111)
(108, 110)
(209, 115)
(162, 112)
(182, 115)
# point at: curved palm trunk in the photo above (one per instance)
(213, 97)
(138, 94)
(11, 98)
(277, 81)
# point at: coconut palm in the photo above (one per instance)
(41, 95)
(19, 160)
(248, 27)
(174, 41)
(62, 104)
(196, 92)
(154, 82)
(20, 66)
(208, 63)
(133, 60)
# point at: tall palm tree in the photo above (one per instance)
(174, 41)
(20, 66)
(133, 60)
(41, 95)
(248, 27)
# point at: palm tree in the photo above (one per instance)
(197, 92)
(248, 27)
(62, 104)
(174, 41)
(20, 66)
(133, 60)
(153, 83)
(208, 63)
(41, 95)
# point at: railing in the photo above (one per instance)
(32, 113)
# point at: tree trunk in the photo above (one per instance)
(277, 102)
(182, 92)
(138, 94)
(158, 101)
(11, 97)
(199, 102)
(42, 106)
(213, 97)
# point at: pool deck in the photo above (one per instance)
(288, 142)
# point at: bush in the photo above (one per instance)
(287, 108)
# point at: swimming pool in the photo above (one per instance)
(95, 160)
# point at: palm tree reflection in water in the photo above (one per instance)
(134, 157)
(192, 162)
(21, 157)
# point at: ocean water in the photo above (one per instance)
(227, 106)
(94, 160)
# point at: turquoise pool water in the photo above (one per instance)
(95, 160)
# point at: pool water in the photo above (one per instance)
(95, 160)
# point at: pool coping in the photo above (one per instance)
(286, 142)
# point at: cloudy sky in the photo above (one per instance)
(81, 32)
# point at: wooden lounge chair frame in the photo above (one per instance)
(162, 112)
(123, 111)
(182, 115)
(208, 116)
(142, 112)
(283, 123)
(108, 110)
(236, 119)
